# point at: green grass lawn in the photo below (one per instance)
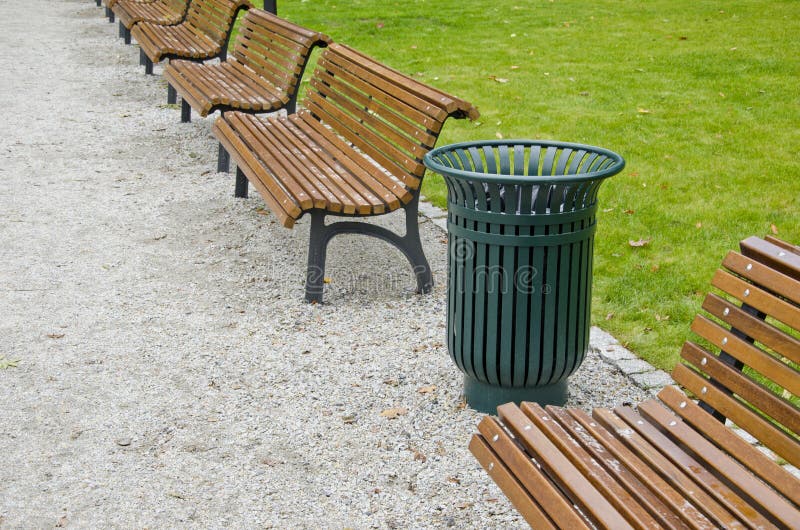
(701, 98)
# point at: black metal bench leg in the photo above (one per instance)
(409, 244)
(148, 66)
(172, 95)
(223, 160)
(186, 111)
(413, 248)
(241, 184)
(317, 248)
(127, 36)
(98, 3)
(110, 14)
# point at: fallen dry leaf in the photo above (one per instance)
(394, 412)
(426, 389)
(55, 335)
(629, 212)
(698, 225)
(774, 229)
(643, 111)
(262, 211)
(639, 243)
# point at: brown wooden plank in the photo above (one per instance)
(754, 327)
(695, 470)
(739, 383)
(774, 256)
(558, 507)
(523, 501)
(723, 437)
(671, 498)
(274, 170)
(783, 244)
(772, 437)
(770, 367)
(756, 493)
(668, 471)
(609, 475)
(560, 469)
(281, 204)
(763, 275)
(758, 298)
(383, 185)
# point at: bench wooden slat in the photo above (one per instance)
(632, 498)
(669, 496)
(278, 170)
(509, 484)
(279, 203)
(745, 388)
(560, 469)
(758, 298)
(378, 181)
(757, 462)
(693, 468)
(757, 493)
(407, 169)
(767, 365)
(779, 256)
(772, 437)
(356, 197)
(756, 328)
(672, 474)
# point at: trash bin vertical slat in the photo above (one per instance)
(493, 295)
(525, 279)
(481, 253)
(508, 363)
(469, 287)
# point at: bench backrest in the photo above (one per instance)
(215, 17)
(275, 48)
(387, 115)
(754, 323)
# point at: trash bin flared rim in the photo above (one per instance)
(617, 165)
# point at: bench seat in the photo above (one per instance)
(674, 462)
(355, 149)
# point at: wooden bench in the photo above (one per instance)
(109, 5)
(262, 74)
(355, 150)
(673, 463)
(161, 12)
(202, 35)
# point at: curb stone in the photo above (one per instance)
(638, 371)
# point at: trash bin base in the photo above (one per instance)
(485, 398)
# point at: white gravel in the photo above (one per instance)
(169, 373)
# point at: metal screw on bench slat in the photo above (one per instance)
(726, 311)
(781, 254)
(747, 292)
(704, 390)
(682, 405)
(491, 466)
(704, 361)
(749, 267)
(527, 427)
(495, 437)
(724, 341)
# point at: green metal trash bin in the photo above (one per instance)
(521, 223)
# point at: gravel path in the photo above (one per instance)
(169, 373)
